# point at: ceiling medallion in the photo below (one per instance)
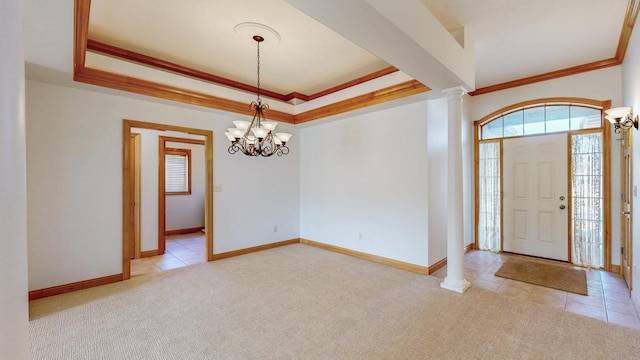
(247, 30)
(257, 137)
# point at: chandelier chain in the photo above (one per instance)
(258, 57)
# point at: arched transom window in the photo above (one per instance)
(541, 119)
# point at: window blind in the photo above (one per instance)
(176, 173)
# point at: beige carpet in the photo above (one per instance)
(545, 274)
(300, 302)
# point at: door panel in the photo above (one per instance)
(535, 178)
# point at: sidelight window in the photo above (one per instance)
(587, 203)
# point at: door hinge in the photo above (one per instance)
(621, 250)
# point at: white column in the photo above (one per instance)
(455, 280)
(14, 305)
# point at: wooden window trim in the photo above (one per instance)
(181, 152)
(541, 103)
(583, 102)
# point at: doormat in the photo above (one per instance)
(547, 275)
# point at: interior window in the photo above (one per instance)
(177, 171)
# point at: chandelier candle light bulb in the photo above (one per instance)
(256, 137)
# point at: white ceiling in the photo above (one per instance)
(518, 38)
(512, 38)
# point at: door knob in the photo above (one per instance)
(562, 207)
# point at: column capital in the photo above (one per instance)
(454, 93)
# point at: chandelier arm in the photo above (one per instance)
(627, 122)
(233, 149)
(255, 106)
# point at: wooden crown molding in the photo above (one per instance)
(627, 28)
(130, 84)
(120, 82)
(124, 54)
(398, 91)
(131, 56)
(547, 76)
(149, 88)
(354, 82)
(81, 31)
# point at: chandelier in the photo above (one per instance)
(257, 137)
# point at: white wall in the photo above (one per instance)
(187, 211)
(14, 306)
(368, 175)
(437, 146)
(75, 205)
(601, 84)
(468, 173)
(148, 188)
(631, 97)
(604, 84)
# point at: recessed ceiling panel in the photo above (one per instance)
(200, 34)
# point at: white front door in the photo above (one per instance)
(535, 195)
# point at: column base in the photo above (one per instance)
(459, 286)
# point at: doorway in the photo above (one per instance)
(185, 199)
(129, 210)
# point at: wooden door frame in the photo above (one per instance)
(626, 137)
(128, 216)
(135, 155)
(606, 130)
(162, 197)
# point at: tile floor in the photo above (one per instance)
(608, 298)
(181, 250)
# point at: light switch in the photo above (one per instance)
(217, 188)
(635, 190)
